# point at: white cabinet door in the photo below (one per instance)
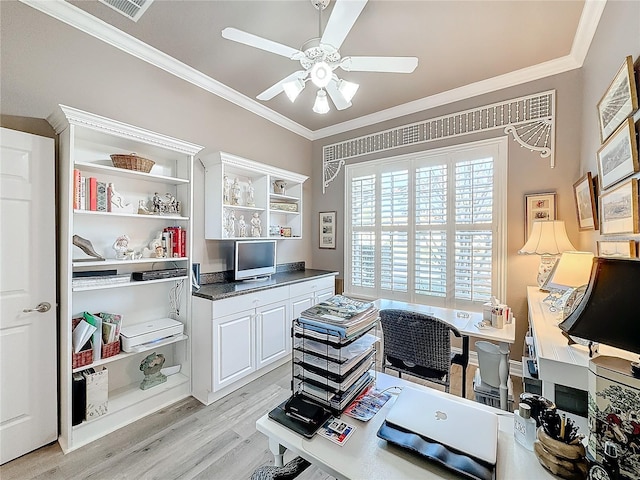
(233, 339)
(273, 333)
(323, 295)
(299, 305)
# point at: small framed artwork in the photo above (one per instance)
(619, 101)
(327, 229)
(285, 231)
(619, 209)
(618, 157)
(584, 195)
(619, 249)
(538, 206)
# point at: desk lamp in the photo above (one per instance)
(549, 239)
(571, 271)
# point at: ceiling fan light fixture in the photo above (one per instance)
(293, 88)
(347, 89)
(321, 74)
(321, 104)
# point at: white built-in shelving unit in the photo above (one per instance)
(86, 142)
(280, 213)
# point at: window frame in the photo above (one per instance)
(495, 147)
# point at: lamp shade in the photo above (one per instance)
(548, 237)
(322, 104)
(608, 311)
(293, 88)
(572, 270)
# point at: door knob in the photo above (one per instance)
(41, 308)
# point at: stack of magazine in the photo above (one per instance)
(334, 351)
(341, 315)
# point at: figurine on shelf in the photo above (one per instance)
(256, 225)
(231, 224)
(142, 208)
(157, 203)
(117, 200)
(242, 227)
(151, 366)
(250, 201)
(86, 246)
(121, 246)
(226, 186)
(235, 193)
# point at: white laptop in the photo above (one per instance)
(461, 426)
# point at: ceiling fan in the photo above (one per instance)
(319, 57)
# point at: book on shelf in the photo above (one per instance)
(76, 188)
(93, 194)
(101, 197)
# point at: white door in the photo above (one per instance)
(28, 362)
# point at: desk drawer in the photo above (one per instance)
(311, 286)
(248, 301)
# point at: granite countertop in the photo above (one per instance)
(221, 290)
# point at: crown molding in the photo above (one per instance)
(77, 18)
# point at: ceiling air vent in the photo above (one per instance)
(132, 9)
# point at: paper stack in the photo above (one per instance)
(340, 314)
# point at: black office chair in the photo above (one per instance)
(417, 344)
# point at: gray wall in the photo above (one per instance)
(618, 35)
(45, 63)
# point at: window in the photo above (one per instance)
(426, 227)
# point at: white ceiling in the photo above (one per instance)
(464, 48)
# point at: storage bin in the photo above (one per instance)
(97, 392)
(110, 349)
(84, 357)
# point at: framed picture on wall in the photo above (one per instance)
(619, 209)
(619, 101)
(620, 248)
(327, 229)
(583, 192)
(618, 157)
(538, 206)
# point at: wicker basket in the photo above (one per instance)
(132, 162)
(84, 357)
(110, 349)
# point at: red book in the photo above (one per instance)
(76, 189)
(93, 194)
(183, 243)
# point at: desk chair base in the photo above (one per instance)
(291, 470)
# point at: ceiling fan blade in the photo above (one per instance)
(236, 35)
(274, 90)
(336, 96)
(344, 15)
(379, 64)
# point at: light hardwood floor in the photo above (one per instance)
(187, 440)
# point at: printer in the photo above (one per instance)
(146, 334)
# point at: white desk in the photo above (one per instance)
(466, 322)
(558, 362)
(365, 456)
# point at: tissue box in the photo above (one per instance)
(486, 312)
